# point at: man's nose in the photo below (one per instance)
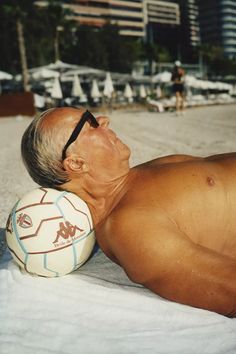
(103, 121)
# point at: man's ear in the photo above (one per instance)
(74, 163)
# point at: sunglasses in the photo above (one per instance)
(86, 117)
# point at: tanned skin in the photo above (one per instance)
(170, 223)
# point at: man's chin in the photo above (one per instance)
(128, 150)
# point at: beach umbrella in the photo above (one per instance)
(203, 84)
(56, 91)
(77, 90)
(86, 71)
(128, 93)
(61, 66)
(39, 101)
(95, 93)
(43, 73)
(163, 77)
(190, 80)
(83, 99)
(210, 85)
(158, 92)
(108, 86)
(5, 76)
(230, 88)
(233, 91)
(142, 91)
(219, 86)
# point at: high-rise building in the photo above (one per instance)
(172, 24)
(189, 31)
(218, 24)
(165, 12)
(126, 14)
(162, 21)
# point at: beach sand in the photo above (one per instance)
(97, 309)
(201, 131)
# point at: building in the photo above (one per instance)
(127, 15)
(164, 12)
(190, 30)
(172, 24)
(218, 24)
(162, 22)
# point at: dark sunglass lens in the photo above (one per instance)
(86, 117)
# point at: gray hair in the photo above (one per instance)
(41, 151)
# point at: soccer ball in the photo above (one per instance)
(50, 232)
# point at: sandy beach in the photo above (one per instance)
(201, 131)
(97, 309)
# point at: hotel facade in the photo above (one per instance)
(127, 15)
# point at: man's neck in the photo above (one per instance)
(101, 197)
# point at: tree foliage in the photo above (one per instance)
(102, 48)
(155, 52)
(40, 26)
(216, 62)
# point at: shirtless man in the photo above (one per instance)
(170, 223)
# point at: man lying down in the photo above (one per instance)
(170, 223)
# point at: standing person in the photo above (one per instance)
(178, 86)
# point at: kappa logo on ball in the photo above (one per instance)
(67, 230)
(24, 221)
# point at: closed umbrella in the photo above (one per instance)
(56, 91)
(142, 91)
(95, 93)
(108, 86)
(77, 90)
(158, 92)
(128, 93)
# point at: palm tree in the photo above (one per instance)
(23, 57)
(59, 23)
(18, 12)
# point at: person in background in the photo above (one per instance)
(177, 78)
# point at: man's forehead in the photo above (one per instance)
(61, 115)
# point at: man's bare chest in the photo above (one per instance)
(199, 202)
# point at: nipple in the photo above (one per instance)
(210, 181)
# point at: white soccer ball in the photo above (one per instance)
(49, 232)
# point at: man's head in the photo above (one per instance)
(62, 144)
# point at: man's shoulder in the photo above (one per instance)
(177, 158)
(129, 220)
(130, 237)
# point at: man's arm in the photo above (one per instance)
(171, 265)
